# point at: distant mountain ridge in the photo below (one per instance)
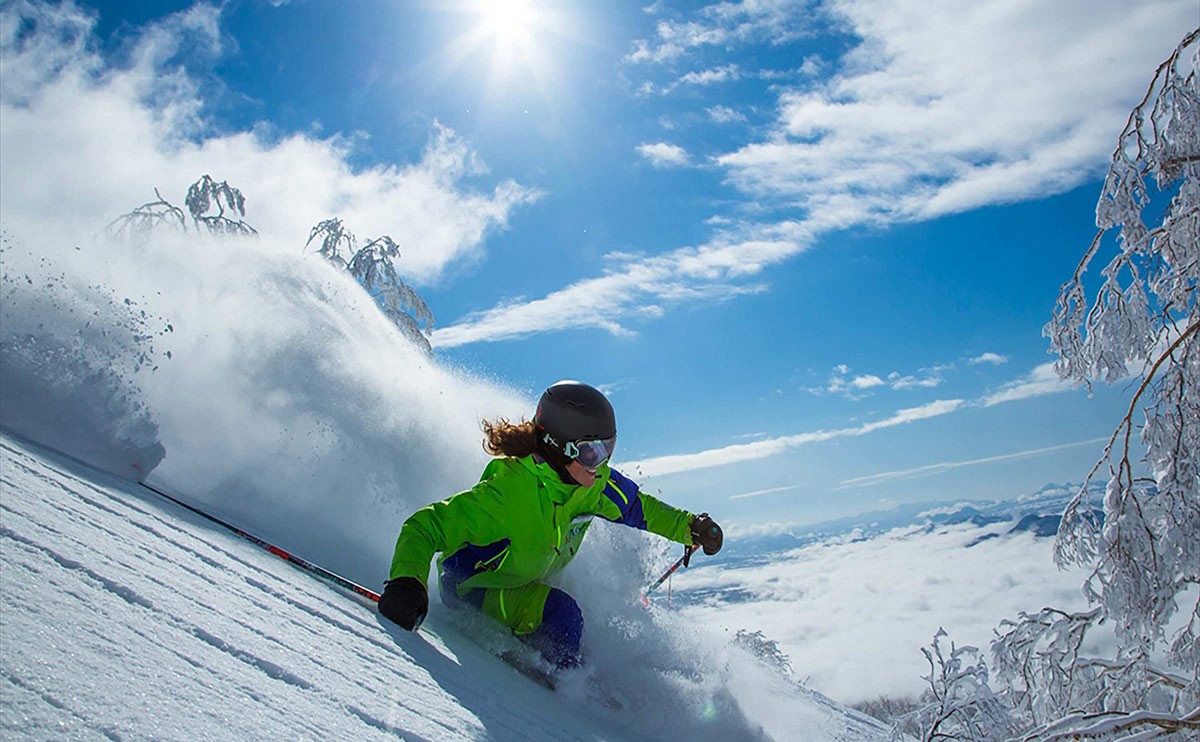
(1039, 513)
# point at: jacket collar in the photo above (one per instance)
(558, 490)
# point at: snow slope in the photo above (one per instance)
(126, 616)
(266, 388)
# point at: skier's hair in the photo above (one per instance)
(504, 438)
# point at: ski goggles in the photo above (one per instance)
(591, 453)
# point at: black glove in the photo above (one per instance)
(707, 534)
(404, 601)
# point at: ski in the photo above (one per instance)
(522, 664)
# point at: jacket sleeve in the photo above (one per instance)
(623, 502)
(475, 516)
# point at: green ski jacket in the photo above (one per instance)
(521, 524)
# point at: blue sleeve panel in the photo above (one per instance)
(625, 495)
(466, 563)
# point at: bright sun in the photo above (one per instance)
(509, 41)
(509, 27)
(507, 21)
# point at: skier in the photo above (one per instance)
(524, 521)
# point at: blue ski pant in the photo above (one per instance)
(545, 618)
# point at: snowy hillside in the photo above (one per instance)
(126, 616)
(269, 391)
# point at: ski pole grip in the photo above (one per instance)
(687, 554)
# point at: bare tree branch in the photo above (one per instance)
(144, 219)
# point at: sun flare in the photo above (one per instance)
(503, 43)
(507, 20)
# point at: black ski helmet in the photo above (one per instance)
(573, 411)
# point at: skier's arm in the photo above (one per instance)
(438, 527)
(473, 516)
(625, 503)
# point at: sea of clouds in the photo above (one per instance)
(852, 613)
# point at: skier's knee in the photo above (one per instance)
(561, 633)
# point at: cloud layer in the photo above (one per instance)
(853, 615)
(931, 469)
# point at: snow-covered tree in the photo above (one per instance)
(202, 197)
(334, 237)
(958, 704)
(1144, 552)
(374, 267)
(1143, 547)
(206, 194)
(766, 650)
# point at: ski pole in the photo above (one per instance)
(683, 560)
(303, 564)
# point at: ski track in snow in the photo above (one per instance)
(124, 616)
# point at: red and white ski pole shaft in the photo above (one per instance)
(303, 564)
(683, 560)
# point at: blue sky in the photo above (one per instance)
(807, 247)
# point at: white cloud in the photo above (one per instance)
(853, 387)
(931, 469)
(725, 115)
(912, 414)
(664, 154)
(992, 358)
(631, 286)
(945, 510)
(931, 380)
(813, 65)
(866, 382)
(711, 76)
(919, 122)
(615, 387)
(726, 24)
(946, 106)
(1040, 381)
(85, 141)
(772, 490)
(741, 452)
